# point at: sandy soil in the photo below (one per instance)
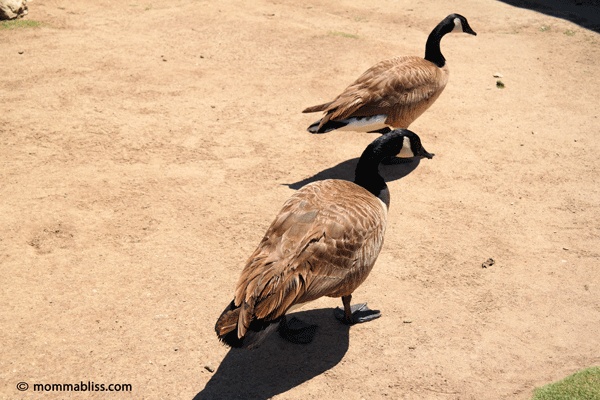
(145, 149)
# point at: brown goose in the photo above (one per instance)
(392, 93)
(323, 242)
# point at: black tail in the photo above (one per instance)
(227, 329)
(314, 127)
(327, 127)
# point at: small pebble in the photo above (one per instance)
(498, 75)
(488, 263)
(209, 368)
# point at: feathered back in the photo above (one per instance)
(401, 88)
(323, 242)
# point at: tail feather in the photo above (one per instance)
(320, 107)
(327, 126)
(227, 328)
(314, 128)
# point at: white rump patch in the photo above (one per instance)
(365, 124)
(406, 151)
(457, 25)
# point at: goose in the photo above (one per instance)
(323, 242)
(394, 92)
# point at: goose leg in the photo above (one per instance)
(355, 314)
(296, 331)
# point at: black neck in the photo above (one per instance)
(367, 175)
(432, 48)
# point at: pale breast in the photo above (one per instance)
(427, 84)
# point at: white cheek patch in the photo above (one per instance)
(457, 25)
(406, 150)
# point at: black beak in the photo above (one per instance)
(424, 154)
(467, 29)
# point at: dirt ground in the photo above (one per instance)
(146, 147)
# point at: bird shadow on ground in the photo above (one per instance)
(585, 13)
(277, 365)
(345, 171)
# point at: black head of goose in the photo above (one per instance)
(323, 242)
(392, 93)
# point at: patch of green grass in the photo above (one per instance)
(348, 35)
(583, 385)
(19, 23)
(135, 5)
(544, 28)
(569, 32)
(590, 39)
(361, 19)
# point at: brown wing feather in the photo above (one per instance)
(324, 242)
(402, 88)
(320, 107)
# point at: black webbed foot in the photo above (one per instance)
(296, 331)
(359, 313)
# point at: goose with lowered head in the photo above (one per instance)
(323, 242)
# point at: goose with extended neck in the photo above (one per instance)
(392, 93)
(323, 242)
